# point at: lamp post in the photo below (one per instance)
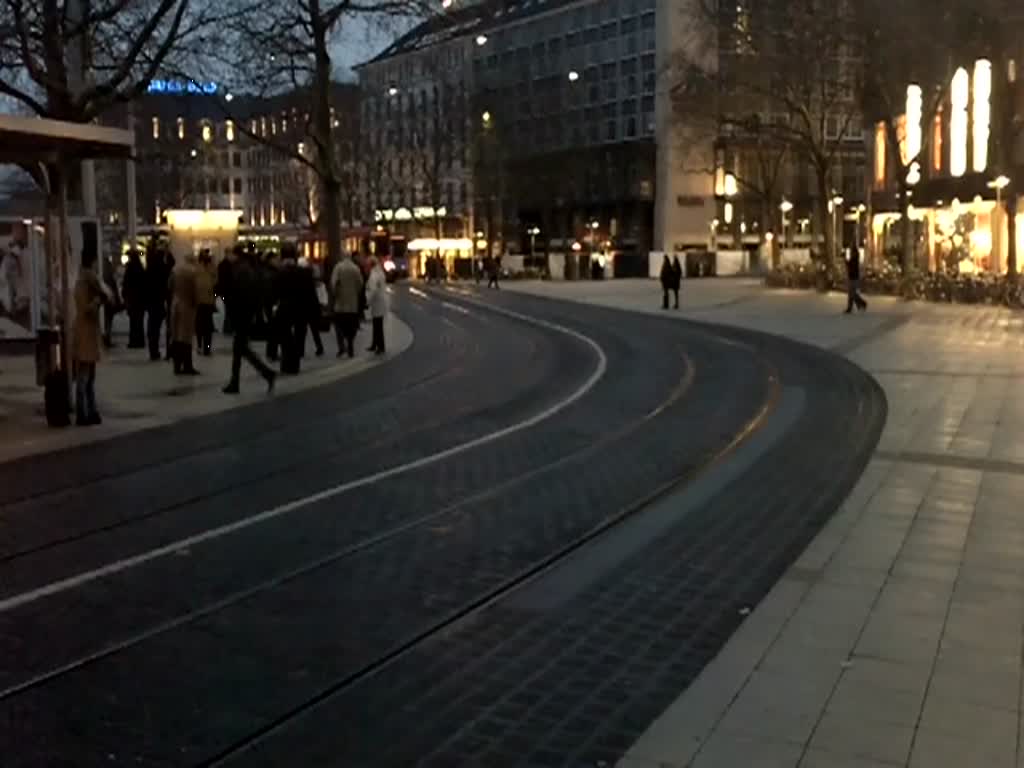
(785, 206)
(999, 183)
(837, 203)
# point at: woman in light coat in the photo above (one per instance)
(85, 347)
(184, 302)
(377, 299)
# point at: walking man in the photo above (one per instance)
(133, 291)
(853, 297)
(243, 303)
(347, 290)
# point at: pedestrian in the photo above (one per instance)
(112, 306)
(269, 273)
(853, 297)
(377, 299)
(495, 271)
(291, 311)
(243, 303)
(223, 287)
(89, 297)
(156, 299)
(347, 290)
(133, 293)
(206, 303)
(666, 280)
(311, 316)
(677, 279)
(184, 303)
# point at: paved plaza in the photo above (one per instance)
(136, 394)
(896, 638)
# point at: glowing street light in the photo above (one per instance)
(481, 40)
(999, 183)
(229, 97)
(574, 76)
(785, 206)
(392, 91)
(194, 153)
(486, 117)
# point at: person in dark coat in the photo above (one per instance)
(206, 303)
(853, 297)
(133, 291)
(494, 272)
(269, 272)
(243, 304)
(677, 279)
(292, 311)
(223, 286)
(112, 306)
(666, 280)
(157, 274)
(310, 308)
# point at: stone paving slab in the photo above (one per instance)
(135, 394)
(896, 639)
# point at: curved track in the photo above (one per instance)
(249, 588)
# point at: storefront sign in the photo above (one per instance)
(177, 86)
(404, 214)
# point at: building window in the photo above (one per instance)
(229, 130)
(960, 97)
(263, 126)
(156, 127)
(937, 142)
(880, 157)
(207, 132)
(181, 127)
(236, 159)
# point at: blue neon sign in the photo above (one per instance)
(177, 86)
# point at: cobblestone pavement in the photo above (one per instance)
(896, 637)
(147, 619)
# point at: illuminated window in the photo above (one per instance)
(913, 128)
(181, 127)
(229, 130)
(156, 127)
(982, 112)
(273, 126)
(959, 97)
(252, 126)
(937, 142)
(207, 131)
(263, 126)
(880, 158)
(284, 122)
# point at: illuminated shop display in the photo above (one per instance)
(959, 97)
(982, 113)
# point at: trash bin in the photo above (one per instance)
(50, 375)
(47, 354)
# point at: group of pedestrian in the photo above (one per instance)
(268, 296)
(671, 280)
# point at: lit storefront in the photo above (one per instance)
(957, 218)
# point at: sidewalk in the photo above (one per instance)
(136, 394)
(896, 639)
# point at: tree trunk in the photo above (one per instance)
(331, 215)
(1011, 234)
(823, 217)
(907, 261)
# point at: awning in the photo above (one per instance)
(33, 139)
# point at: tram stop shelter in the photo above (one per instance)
(49, 150)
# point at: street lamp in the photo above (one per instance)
(574, 76)
(481, 40)
(785, 206)
(392, 91)
(486, 117)
(837, 203)
(533, 232)
(999, 183)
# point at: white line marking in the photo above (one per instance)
(417, 292)
(456, 308)
(118, 566)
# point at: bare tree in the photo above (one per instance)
(904, 81)
(286, 46)
(793, 70)
(73, 59)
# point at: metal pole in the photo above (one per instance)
(131, 199)
(64, 244)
